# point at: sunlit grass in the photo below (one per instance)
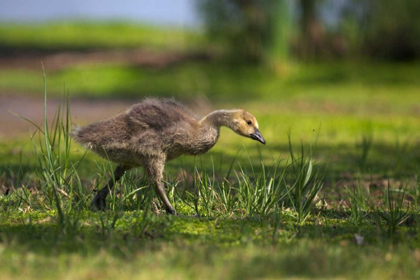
(256, 222)
(86, 35)
(309, 86)
(356, 122)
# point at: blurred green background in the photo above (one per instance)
(341, 77)
(343, 72)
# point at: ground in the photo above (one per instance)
(356, 121)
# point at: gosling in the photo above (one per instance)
(153, 132)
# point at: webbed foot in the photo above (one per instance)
(171, 211)
(98, 203)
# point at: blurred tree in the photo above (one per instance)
(385, 29)
(314, 40)
(394, 30)
(255, 31)
(251, 31)
(388, 29)
(310, 26)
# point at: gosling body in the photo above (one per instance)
(155, 131)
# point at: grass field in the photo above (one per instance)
(345, 207)
(87, 35)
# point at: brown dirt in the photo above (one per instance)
(82, 111)
(57, 60)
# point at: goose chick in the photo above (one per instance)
(155, 131)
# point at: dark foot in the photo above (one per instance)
(98, 202)
(171, 211)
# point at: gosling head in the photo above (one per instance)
(245, 124)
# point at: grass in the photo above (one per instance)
(310, 83)
(263, 212)
(190, 248)
(261, 216)
(88, 35)
(363, 115)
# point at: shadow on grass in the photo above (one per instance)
(324, 247)
(43, 235)
(88, 237)
(185, 252)
(339, 162)
(342, 164)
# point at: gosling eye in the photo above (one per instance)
(249, 122)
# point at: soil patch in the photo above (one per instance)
(57, 60)
(82, 111)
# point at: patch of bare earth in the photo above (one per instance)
(57, 60)
(82, 111)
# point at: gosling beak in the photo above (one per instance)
(257, 136)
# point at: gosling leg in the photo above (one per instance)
(161, 193)
(155, 173)
(98, 202)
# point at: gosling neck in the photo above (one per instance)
(219, 118)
